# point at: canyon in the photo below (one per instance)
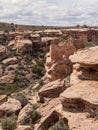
(50, 77)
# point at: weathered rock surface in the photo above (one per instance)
(53, 89)
(23, 46)
(3, 52)
(87, 57)
(79, 121)
(11, 106)
(49, 112)
(24, 114)
(10, 61)
(82, 97)
(3, 98)
(7, 79)
(23, 127)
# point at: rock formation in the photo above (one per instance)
(57, 63)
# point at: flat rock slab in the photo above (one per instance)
(53, 89)
(86, 56)
(79, 121)
(81, 96)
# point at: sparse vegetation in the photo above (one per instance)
(38, 71)
(9, 89)
(35, 106)
(35, 116)
(23, 100)
(9, 123)
(91, 44)
(16, 79)
(41, 82)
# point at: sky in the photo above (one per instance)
(50, 12)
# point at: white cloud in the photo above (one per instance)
(49, 12)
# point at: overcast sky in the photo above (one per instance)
(49, 12)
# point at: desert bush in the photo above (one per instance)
(16, 79)
(35, 116)
(38, 70)
(8, 123)
(35, 106)
(32, 118)
(60, 125)
(9, 89)
(91, 44)
(40, 63)
(41, 82)
(23, 100)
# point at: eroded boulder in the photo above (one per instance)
(11, 106)
(54, 88)
(24, 114)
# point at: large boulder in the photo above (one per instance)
(81, 97)
(87, 57)
(53, 89)
(86, 67)
(11, 106)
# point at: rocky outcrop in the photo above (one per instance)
(21, 45)
(82, 95)
(87, 56)
(80, 98)
(88, 63)
(52, 33)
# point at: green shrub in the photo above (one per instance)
(91, 44)
(40, 63)
(23, 100)
(16, 79)
(9, 89)
(35, 106)
(41, 82)
(38, 70)
(8, 123)
(35, 116)
(60, 125)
